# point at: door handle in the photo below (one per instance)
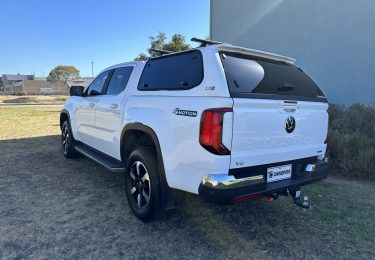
(290, 108)
(113, 106)
(92, 104)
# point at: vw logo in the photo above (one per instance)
(290, 124)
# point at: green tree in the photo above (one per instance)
(142, 56)
(177, 43)
(63, 74)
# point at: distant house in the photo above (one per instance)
(84, 81)
(9, 79)
(333, 41)
(31, 85)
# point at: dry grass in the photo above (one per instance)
(54, 208)
(28, 121)
(42, 99)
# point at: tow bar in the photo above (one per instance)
(296, 195)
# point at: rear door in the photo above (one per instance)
(279, 113)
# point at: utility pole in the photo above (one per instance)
(92, 68)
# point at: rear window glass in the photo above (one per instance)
(119, 80)
(249, 76)
(173, 72)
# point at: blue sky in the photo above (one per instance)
(36, 36)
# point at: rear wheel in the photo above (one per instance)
(68, 142)
(142, 184)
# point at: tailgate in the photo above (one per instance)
(263, 131)
(279, 112)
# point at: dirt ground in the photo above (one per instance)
(54, 208)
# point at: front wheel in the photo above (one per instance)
(142, 184)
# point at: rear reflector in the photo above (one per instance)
(248, 197)
(211, 130)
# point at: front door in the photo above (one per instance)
(108, 112)
(85, 110)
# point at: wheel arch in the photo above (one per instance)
(127, 133)
(65, 116)
(131, 131)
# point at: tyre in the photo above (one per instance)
(142, 183)
(68, 142)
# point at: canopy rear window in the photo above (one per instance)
(250, 76)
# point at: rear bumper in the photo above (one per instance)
(225, 189)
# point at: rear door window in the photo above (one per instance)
(179, 71)
(249, 76)
(119, 80)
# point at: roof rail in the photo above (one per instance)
(161, 52)
(204, 42)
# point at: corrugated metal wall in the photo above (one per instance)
(333, 41)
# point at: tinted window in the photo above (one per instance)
(97, 85)
(173, 72)
(247, 76)
(119, 80)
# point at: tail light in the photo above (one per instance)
(211, 130)
(326, 140)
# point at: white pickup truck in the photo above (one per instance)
(225, 122)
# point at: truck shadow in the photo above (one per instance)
(82, 208)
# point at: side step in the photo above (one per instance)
(108, 162)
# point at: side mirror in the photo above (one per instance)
(76, 91)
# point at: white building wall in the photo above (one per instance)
(332, 40)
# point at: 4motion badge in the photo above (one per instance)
(181, 112)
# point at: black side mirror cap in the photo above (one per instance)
(76, 91)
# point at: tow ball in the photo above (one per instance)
(296, 195)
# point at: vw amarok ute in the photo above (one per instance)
(225, 122)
